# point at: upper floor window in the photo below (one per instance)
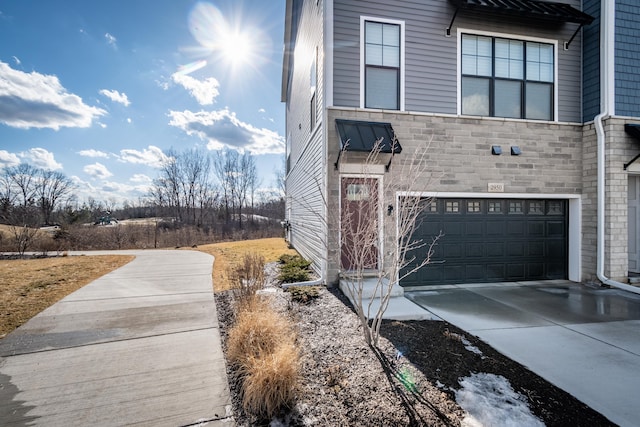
(507, 78)
(382, 65)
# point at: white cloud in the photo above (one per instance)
(97, 171)
(41, 158)
(262, 110)
(93, 153)
(111, 40)
(129, 120)
(141, 178)
(204, 91)
(17, 60)
(8, 159)
(151, 156)
(116, 96)
(34, 100)
(223, 129)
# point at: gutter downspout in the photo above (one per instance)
(607, 96)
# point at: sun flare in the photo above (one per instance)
(230, 39)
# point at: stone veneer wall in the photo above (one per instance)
(460, 152)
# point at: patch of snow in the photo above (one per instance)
(467, 344)
(489, 400)
(470, 347)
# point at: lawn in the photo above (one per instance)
(28, 286)
(228, 254)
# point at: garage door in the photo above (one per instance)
(493, 240)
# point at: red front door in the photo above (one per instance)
(359, 226)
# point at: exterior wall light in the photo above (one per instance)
(496, 150)
(515, 150)
(389, 210)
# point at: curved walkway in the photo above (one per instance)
(138, 346)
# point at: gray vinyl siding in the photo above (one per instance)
(305, 181)
(627, 60)
(431, 58)
(591, 67)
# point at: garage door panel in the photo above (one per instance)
(495, 249)
(475, 228)
(535, 248)
(495, 271)
(495, 240)
(495, 228)
(535, 269)
(535, 228)
(474, 272)
(515, 271)
(451, 251)
(474, 250)
(556, 229)
(555, 249)
(515, 228)
(515, 249)
(450, 228)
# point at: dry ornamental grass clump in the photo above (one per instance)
(262, 345)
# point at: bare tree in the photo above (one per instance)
(225, 164)
(52, 188)
(359, 229)
(364, 271)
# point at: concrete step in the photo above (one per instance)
(369, 285)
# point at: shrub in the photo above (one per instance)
(293, 275)
(304, 294)
(294, 269)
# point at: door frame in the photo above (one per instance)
(380, 179)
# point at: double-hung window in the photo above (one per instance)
(507, 78)
(382, 65)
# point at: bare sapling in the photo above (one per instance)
(370, 276)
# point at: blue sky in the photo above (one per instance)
(101, 90)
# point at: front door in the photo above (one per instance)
(632, 225)
(359, 224)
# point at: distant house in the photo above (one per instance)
(533, 110)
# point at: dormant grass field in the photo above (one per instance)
(28, 286)
(229, 254)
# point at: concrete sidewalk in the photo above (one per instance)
(139, 346)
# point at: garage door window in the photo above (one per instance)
(473, 207)
(495, 207)
(515, 207)
(452, 207)
(536, 208)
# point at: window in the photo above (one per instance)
(473, 207)
(382, 65)
(357, 192)
(452, 207)
(507, 78)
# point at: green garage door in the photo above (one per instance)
(493, 240)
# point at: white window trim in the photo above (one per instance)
(514, 37)
(363, 19)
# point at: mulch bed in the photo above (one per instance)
(411, 381)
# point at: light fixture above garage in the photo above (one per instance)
(496, 150)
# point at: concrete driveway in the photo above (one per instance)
(584, 340)
(138, 346)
